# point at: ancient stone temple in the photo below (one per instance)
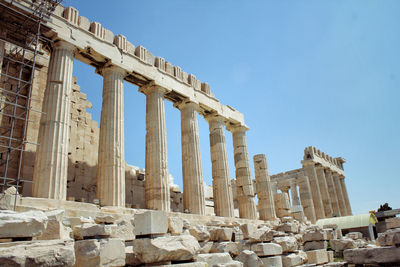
(91, 208)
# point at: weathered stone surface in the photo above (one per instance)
(151, 222)
(377, 255)
(123, 229)
(200, 232)
(266, 249)
(315, 235)
(294, 259)
(249, 259)
(214, 258)
(248, 229)
(288, 227)
(275, 261)
(22, 224)
(92, 230)
(342, 244)
(38, 253)
(263, 234)
(389, 238)
(75, 221)
(100, 252)
(221, 234)
(106, 218)
(171, 248)
(175, 225)
(191, 264)
(392, 223)
(130, 257)
(205, 247)
(55, 228)
(233, 248)
(288, 243)
(230, 264)
(314, 245)
(317, 256)
(354, 235)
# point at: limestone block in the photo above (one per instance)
(161, 249)
(249, 259)
(131, 258)
(160, 63)
(175, 225)
(221, 234)
(275, 261)
(59, 10)
(75, 221)
(92, 230)
(392, 223)
(339, 245)
(123, 229)
(205, 87)
(266, 249)
(200, 232)
(191, 264)
(354, 235)
(205, 247)
(314, 245)
(233, 248)
(315, 235)
(331, 257)
(214, 258)
(294, 259)
(389, 238)
(106, 218)
(249, 230)
(288, 228)
(151, 222)
(100, 252)
(84, 23)
(288, 243)
(38, 253)
(230, 264)
(178, 72)
(23, 224)
(317, 256)
(55, 228)
(377, 255)
(71, 15)
(130, 48)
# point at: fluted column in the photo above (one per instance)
(156, 179)
(111, 157)
(339, 192)
(51, 161)
(222, 190)
(265, 193)
(326, 200)
(346, 196)
(306, 199)
(244, 182)
(309, 168)
(192, 172)
(296, 206)
(332, 193)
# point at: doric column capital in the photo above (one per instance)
(214, 118)
(111, 68)
(319, 167)
(233, 128)
(186, 103)
(308, 162)
(64, 45)
(152, 87)
(341, 176)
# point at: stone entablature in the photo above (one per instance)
(315, 155)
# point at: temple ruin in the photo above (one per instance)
(57, 157)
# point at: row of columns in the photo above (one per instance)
(50, 174)
(328, 191)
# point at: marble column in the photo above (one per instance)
(339, 192)
(157, 177)
(192, 171)
(332, 193)
(346, 196)
(244, 183)
(222, 190)
(326, 200)
(306, 199)
(297, 209)
(309, 168)
(51, 161)
(111, 157)
(265, 194)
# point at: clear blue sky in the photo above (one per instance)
(321, 73)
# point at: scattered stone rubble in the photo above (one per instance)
(143, 237)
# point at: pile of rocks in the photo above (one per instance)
(385, 252)
(52, 238)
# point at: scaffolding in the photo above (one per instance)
(20, 41)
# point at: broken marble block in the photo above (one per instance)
(152, 222)
(22, 224)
